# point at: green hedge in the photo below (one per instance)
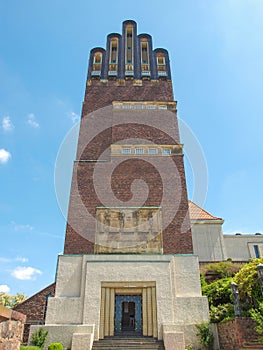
(29, 348)
(55, 346)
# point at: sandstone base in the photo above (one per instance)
(89, 288)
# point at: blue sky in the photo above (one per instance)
(216, 51)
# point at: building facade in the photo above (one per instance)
(212, 245)
(133, 241)
(128, 264)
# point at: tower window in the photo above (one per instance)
(97, 62)
(114, 51)
(113, 64)
(153, 151)
(160, 60)
(139, 151)
(129, 50)
(161, 65)
(126, 151)
(145, 57)
(166, 151)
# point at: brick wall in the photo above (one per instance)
(233, 333)
(177, 237)
(80, 231)
(34, 308)
(100, 94)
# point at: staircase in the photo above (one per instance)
(128, 343)
(252, 345)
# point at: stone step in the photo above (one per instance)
(128, 343)
(252, 345)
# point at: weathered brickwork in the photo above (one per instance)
(100, 94)
(80, 233)
(176, 239)
(234, 333)
(35, 307)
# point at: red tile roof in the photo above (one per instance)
(197, 213)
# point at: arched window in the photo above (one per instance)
(129, 51)
(161, 65)
(145, 64)
(113, 64)
(97, 63)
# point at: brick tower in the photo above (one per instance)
(129, 125)
(128, 262)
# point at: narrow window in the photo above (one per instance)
(145, 57)
(256, 250)
(113, 67)
(129, 49)
(161, 65)
(126, 151)
(97, 61)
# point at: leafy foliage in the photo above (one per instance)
(11, 300)
(219, 299)
(221, 312)
(205, 334)
(222, 269)
(55, 346)
(257, 316)
(29, 348)
(39, 337)
(248, 284)
(218, 292)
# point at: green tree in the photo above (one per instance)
(11, 300)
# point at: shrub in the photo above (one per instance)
(220, 269)
(248, 284)
(257, 316)
(55, 346)
(29, 348)
(221, 312)
(218, 292)
(39, 337)
(205, 334)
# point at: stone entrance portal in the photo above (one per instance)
(128, 306)
(128, 313)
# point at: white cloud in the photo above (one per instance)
(23, 260)
(4, 156)
(7, 125)
(22, 227)
(31, 120)
(74, 117)
(25, 273)
(4, 288)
